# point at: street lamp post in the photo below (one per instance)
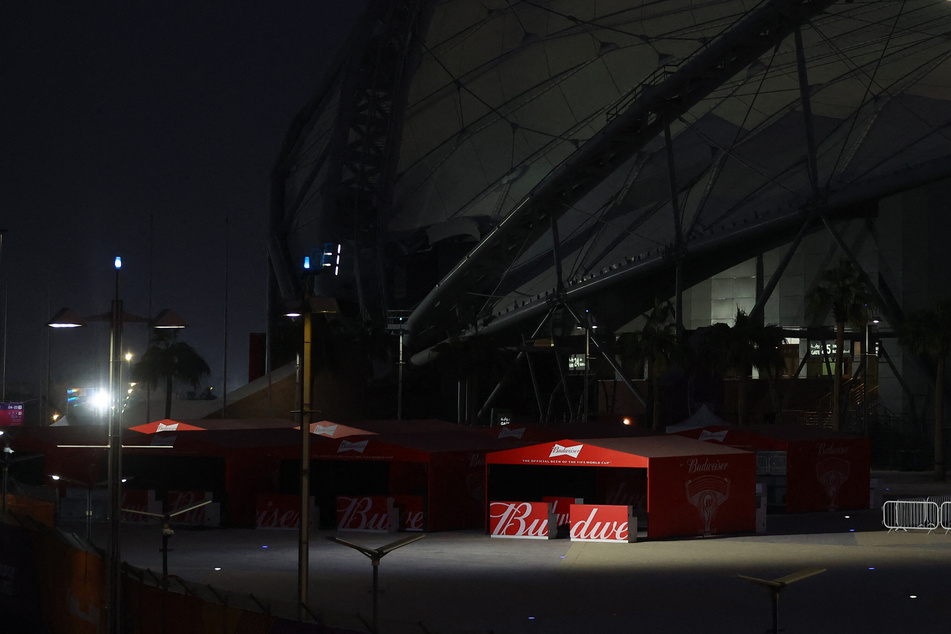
(320, 305)
(376, 555)
(65, 318)
(115, 459)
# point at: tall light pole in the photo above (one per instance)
(115, 459)
(167, 319)
(305, 376)
(65, 318)
(3, 283)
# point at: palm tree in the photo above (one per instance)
(927, 332)
(748, 344)
(654, 344)
(842, 291)
(173, 361)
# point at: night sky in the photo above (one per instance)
(146, 130)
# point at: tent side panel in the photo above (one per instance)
(456, 491)
(823, 475)
(701, 495)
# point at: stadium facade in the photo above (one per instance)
(517, 170)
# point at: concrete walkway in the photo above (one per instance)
(465, 581)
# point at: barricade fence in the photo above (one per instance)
(921, 514)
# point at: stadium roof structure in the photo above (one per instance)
(478, 164)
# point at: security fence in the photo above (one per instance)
(922, 514)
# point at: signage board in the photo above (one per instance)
(561, 507)
(11, 414)
(602, 523)
(274, 510)
(522, 520)
(410, 509)
(367, 514)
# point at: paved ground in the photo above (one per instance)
(465, 581)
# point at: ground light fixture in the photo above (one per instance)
(375, 555)
(775, 586)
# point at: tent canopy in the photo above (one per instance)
(608, 452)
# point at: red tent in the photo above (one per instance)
(335, 430)
(803, 468)
(445, 469)
(164, 425)
(691, 487)
(530, 434)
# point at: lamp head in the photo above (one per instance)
(168, 319)
(65, 318)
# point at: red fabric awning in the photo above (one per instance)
(164, 425)
(633, 452)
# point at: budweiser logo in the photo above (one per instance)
(559, 450)
(826, 449)
(272, 516)
(346, 445)
(695, 466)
(178, 500)
(718, 436)
(413, 521)
(325, 430)
(519, 519)
(508, 432)
(707, 493)
(162, 427)
(832, 472)
(363, 514)
(603, 523)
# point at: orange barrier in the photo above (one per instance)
(41, 512)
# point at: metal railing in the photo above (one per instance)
(923, 514)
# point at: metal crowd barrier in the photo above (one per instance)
(908, 515)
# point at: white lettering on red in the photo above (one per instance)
(357, 517)
(346, 445)
(832, 450)
(695, 466)
(513, 521)
(589, 529)
(559, 450)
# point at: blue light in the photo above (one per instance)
(307, 262)
(263, 546)
(118, 262)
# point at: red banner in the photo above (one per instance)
(207, 515)
(522, 520)
(367, 514)
(139, 500)
(561, 507)
(281, 511)
(410, 509)
(602, 523)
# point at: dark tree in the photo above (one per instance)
(170, 360)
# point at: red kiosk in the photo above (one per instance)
(685, 487)
(803, 468)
